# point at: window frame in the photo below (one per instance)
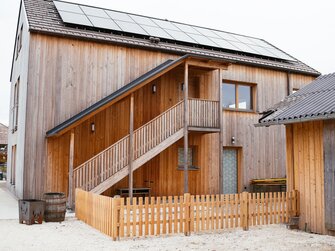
(194, 162)
(253, 95)
(15, 108)
(19, 42)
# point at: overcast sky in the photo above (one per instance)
(303, 28)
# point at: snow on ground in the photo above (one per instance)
(73, 234)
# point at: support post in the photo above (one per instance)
(245, 211)
(186, 128)
(221, 131)
(187, 209)
(131, 146)
(71, 159)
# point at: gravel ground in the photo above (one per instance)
(75, 235)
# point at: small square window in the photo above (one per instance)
(190, 158)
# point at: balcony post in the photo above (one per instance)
(131, 146)
(186, 128)
(221, 130)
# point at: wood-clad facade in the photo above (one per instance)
(66, 75)
(310, 170)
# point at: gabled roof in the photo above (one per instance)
(315, 101)
(43, 17)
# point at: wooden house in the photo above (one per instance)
(105, 100)
(309, 118)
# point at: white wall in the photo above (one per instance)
(20, 69)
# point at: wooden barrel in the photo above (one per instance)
(55, 207)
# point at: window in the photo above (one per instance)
(15, 108)
(19, 42)
(13, 165)
(238, 96)
(190, 158)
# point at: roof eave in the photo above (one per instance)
(296, 120)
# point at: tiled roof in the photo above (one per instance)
(44, 18)
(315, 101)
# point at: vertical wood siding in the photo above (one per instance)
(329, 172)
(306, 166)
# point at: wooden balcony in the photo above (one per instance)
(204, 115)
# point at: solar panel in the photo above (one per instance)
(119, 16)
(156, 32)
(146, 26)
(104, 23)
(68, 7)
(74, 18)
(131, 27)
(94, 12)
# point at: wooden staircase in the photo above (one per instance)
(111, 165)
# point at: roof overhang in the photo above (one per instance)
(210, 63)
(296, 120)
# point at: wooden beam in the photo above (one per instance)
(131, 146)
(208, 64)
(186, 128)
(221, 130)
(71, 160)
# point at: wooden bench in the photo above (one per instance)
(137, 192)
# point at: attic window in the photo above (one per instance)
(19, 42)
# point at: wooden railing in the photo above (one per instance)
(103, 165)
(204, 113)
(159, 129)
(116, 157)
(183, 214)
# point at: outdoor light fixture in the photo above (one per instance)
(92, 127)
(182, 86)
(154, 88)
(233, 140)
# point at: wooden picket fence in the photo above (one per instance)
(119, 218)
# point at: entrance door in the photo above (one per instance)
(230, 171)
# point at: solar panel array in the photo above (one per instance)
(77, 14)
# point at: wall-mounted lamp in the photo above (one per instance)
(233, 140)
(92, 127)
(182, 86)
(153, 88)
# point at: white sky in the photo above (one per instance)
(303, 28)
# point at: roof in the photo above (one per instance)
(117, 95)
(43, 17)
(315, 101)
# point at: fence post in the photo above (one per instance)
(187, 200)
(115, 218)
(244, 211)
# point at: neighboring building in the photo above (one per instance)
(3, 144)
(309, 118)
(87, 80)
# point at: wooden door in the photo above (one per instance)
(230, 171)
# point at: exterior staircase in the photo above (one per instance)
(111, 165)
